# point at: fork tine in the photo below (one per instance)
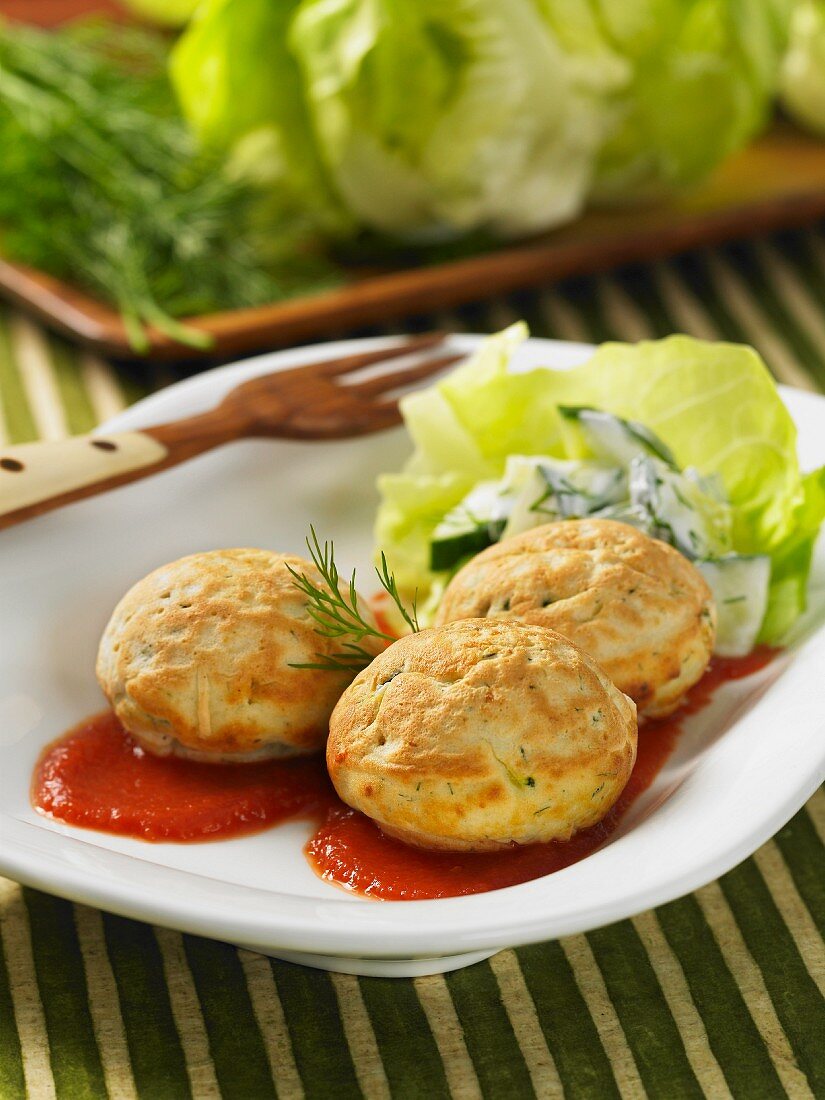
(383, 383)
(332, 368)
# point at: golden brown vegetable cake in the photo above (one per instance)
(635, 604)
(196, 659)
(480, 734)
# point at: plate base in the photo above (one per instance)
(380, 968)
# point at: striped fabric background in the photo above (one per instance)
(717, 994)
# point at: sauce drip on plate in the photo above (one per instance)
(97, 777)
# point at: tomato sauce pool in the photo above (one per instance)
(96, 776)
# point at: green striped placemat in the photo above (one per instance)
(718, 994)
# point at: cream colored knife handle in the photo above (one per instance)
(35, 477)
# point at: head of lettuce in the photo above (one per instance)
(428, 119)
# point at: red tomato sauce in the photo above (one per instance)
(96, 776)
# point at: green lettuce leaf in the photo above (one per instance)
(240, 88)
(412, 505)
(436, 117)
(481, 413)
(802, 76)
(791, 560)
(717, 408)
(715, 405)
(703, 73)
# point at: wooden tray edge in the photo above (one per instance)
(380, 298)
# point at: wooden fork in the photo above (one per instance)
(317, 401)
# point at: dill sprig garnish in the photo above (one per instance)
(387, 580)
(337, 613)
(102, 184)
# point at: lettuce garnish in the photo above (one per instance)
(714, 405)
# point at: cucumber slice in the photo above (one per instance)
(532, 506)
(614, 439)
(519, 471)
(480, 518)
(475, 523)
(625, 512)
(583, 488)
(678, 510)
(565, 490)
(740, 591)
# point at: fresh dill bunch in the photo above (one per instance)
(102, 184)
(337, 614)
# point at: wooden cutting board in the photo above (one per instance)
(778, 182)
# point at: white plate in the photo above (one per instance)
(741, 769)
